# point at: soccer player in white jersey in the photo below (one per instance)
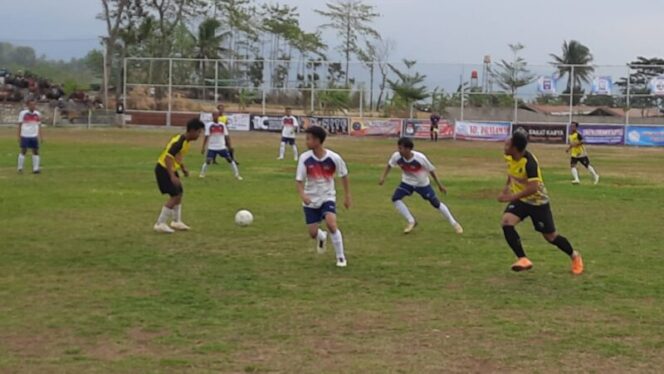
(316, 170)
(416, 169)
(218, 142)
(29, 136)
(289, 126)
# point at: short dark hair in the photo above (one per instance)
(317, 132)
(195, 124)
(574, 123)
(520, 140)
(406, 143)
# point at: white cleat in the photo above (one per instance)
(163, 228)
(458, 228)
(410, 227)
(280, 158)
(341, 262)
(596, 180)
(239, 178)
(180, 226)
(320, 245)
(576, 181)
(201, 176)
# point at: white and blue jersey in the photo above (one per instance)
(318, 176)
(414, 172)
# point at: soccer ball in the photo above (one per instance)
(244, 218)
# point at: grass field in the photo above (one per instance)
(86, 286)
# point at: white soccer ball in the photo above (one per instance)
(244, 218)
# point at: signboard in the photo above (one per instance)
(602, 134)
(543, 133)
(206, 117)
(546, 85)
(333, 125)
(656, 85)
(602, 86)
(421, 129)
(267, 123)
(239, 122)
(375, 127)
(482, 131)
(645, 136)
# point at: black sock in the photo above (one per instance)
(564, 245)
(514, 241)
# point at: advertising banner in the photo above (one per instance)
(645, 136)
(375, 127)
(602, 86)
(236, 122)
(602, 134)
(333, 125)
(543, 133)
(546, 85)
(482, 131)
(421, 129)
(268, 123)
(656, 85)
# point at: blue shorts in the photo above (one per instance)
(30, 143)
(426, 192)
(289, 141)
(315, 215)
(224, 153)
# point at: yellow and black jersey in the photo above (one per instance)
(177, 148)
(222, 119)
(576, 141)
(525, 170)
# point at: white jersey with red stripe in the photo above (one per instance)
(30, 123)
(288, 126)
(217, 133)
(318, 176)
(415, 171)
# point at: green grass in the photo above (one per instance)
(86, 286)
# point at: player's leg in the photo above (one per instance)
(435, 135)
(402, 191)
(209, 158)
(282, 149)
(293, 145)
(429, 195)
(335, 235)
(431, 134)
(236, 170)
(21, 156)
(543, 221)
(36, 159)
(575, 172)
(312, 217)
(513, 215)
(586, 162)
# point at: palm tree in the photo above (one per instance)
(208, 44)
(574, 53)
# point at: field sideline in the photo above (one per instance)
(87, 286)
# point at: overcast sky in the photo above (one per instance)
(428, 30)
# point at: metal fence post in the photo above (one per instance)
(628, 101)
(170, 92)
(124, 85)
(362, 102)
(313, 96)
(516, 108)
(264, 99)
(463, 99)
(571, 96)
(216, 80)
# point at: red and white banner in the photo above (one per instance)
(483, 131)
(421, 129)
(375, 127)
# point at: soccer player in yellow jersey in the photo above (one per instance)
(527, 196)
(168, 179)
(578, 152)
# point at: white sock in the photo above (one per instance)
(21, 161)
(592, 171)
(177, 213)
(165, 214)
(204, 168)
(282, 149)
(295, 154)
(322, 235)
(447, 214)
(35, 162)
(338, 243)
(403, 209)
(236, 171)
(575, 174)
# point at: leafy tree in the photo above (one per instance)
(511, 75)
(351, 19)
(114, 12)
(409, 88)
(574, 53)
(643, 70)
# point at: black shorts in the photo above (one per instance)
(585, 161)
(164, 182)
(540, 215)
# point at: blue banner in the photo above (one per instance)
(602, 134)
(645, 136)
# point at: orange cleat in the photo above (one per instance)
(522, 264)
(577, 264)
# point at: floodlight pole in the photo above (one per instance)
(124, 87)
(629, 92)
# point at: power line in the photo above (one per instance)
(23, 40)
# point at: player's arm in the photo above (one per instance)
(205, 142)
(170, 167)
(348, 199)
(441, 188)
(20, 124)
(533, 185)
(228, 143)
(300, 176)
(300, 190)
(386, 172)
